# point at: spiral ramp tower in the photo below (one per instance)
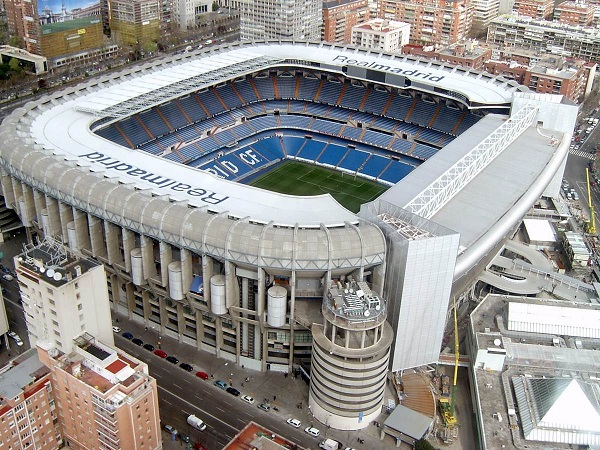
(351, 351)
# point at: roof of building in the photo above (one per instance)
(553, 319)
(539, 230)
(408, 422)
(558, 409)
(21, 372)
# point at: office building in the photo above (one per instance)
(105, 399)
(281, 19)
(431, 21)
(536, 9)
(63, 295)
(135, 23)
(339, 16)
(543, 36)
(381, 34)
(28, 416)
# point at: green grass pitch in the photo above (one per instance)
(296, 178)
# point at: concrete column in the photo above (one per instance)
(65, 213)
(180, 320)
(291, 314)
(54, 218)
(17, 188)
(232, 289)
(128, 245)
(162, 309)
(147, 247)
(199, 329)
(129, 291)
(26, 209)
(378, 278)
(243, 326)
(96, 236)
(81, 229)
(186, 269)
(207, 273)
(113, 252)
(166, 257)
(39, 201)
(146, 306)
(7, 189)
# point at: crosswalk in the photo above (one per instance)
(590, 156)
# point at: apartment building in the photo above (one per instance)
(339, 16)
(105, 399)
(381, 34)
(575, 13)
(465, 54)
(536, 9)
(431, 21)
(63, 295)
(484, 11)
(281, 19)
(28, 417)
(545, 37)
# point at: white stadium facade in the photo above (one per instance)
(144, 170)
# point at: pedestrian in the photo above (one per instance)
(242, 384)
(274, 397)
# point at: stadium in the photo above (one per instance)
(289, 206)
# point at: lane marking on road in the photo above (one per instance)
(186, 380)
(198, 408)
(177, 386)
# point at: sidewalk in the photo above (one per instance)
(284, 392)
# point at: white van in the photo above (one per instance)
(197, 423)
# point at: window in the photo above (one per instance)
(79, 307)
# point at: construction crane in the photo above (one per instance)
(447, 406)
(590, 224)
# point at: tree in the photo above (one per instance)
(422, 444)
(15, 41)
(215, 6)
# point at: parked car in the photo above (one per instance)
(137, 342)
(172, 359)
(184, 438)
(127, 335)
(16, 337)
(170, 429)
(294, 422)
(149, 347)
(187, 367)
(160, 353)
(116, 329)
(202, 375)
(233, 391)
(8, 277)
(247, 399)
(220, 384)
(264, 406)
(312, 431)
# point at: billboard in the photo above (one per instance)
(64, 15)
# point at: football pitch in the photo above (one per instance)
(296, 178)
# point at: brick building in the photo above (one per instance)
(431, 21)
(339, 16)
(575, 13)
(465, 54)
(536, 9)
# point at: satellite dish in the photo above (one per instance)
(57, 276)
(50, 273)
(497, 342)
(367, 313)
(42, 269)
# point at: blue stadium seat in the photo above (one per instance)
(192, 108)
(311, 150)
(395, 172)
(375, 165)
(210, 102)
(245, 90)
(112, 134)
(330, 93)
(265, 87)
(353, 159)
(422, 113)
(228, 96)
(352, 133)
(376, 138)
(173, 115)
(325, 126)
(353, 96)
(286, 86)
(424, 151)
(333, 154)
(292, 144)
(399, 107)
(376, 101)
(134, 131)
(308, 89)
(154, 122)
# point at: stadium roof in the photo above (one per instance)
(195, 72)
(557, 320)
(558, 409)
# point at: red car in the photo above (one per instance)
(160, 353)
(202, 375)
(199, 446)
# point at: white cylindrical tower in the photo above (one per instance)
(276, 306)
(217, 295)
(175, 281)
(72, 236)
(137, 268)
